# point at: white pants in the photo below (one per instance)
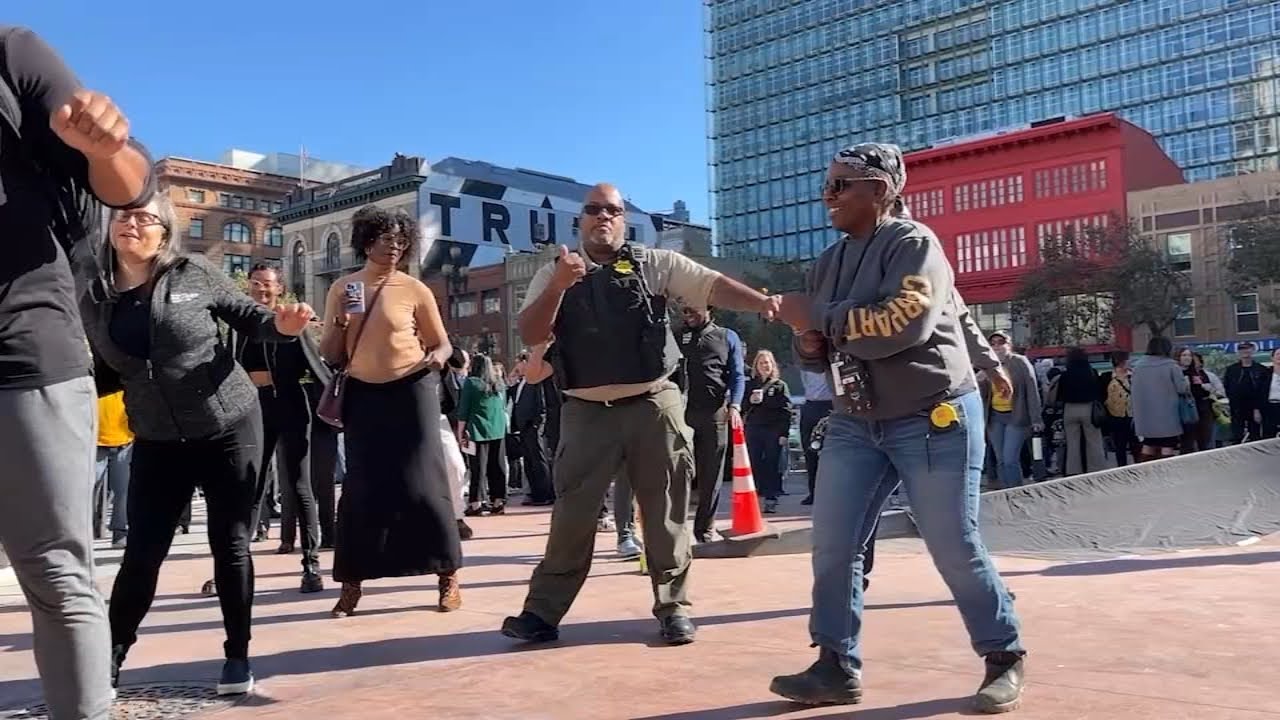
(456, 463)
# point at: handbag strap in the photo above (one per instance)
(367, 313)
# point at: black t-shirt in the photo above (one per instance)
(130, 326)
(42, 341)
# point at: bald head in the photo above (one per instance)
(603, 225)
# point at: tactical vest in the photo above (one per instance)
(611, 330)
(706, 356)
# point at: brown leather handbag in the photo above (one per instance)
(329, 409)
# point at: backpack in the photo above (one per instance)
(78, 216)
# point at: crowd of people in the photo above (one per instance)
(198, 385)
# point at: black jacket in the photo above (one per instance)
(1247, 387)
(289, 363)
(529, 411)
(191, 386)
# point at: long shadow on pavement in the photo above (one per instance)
(19, 642)
(1130, 565)
(909, 711)
(408, 651)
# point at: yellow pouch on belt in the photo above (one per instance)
(944, 417)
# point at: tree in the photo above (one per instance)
(772, 276)
(1253, 254)
(1088, 282)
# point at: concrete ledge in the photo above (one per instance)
(795, 541)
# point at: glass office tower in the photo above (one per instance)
(790, 81)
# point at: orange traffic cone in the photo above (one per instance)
(746, 501)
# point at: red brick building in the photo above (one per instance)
(475, 309)
(225, 212)
(990, 199)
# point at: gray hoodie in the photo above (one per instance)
(890, 301)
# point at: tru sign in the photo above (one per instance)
(481, 221)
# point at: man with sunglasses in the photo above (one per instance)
(57, 140)
(613, 354)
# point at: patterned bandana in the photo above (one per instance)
(876, 161)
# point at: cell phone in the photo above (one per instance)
(353, 301)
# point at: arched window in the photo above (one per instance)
(275, 237)
(236, 232)
(332, 252)
(298, 270)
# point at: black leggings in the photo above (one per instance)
(286, 422)
(162, 477)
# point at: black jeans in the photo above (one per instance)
(536, 467)
(489, 468)
(286, 423)
(810, 413)
(1242, 422)
(162, 477)
(765, 450)
(710, 441)
(1123, 440)
(324, 466)
(1271, 419)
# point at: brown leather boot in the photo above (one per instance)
(450, 592)
(347, 602)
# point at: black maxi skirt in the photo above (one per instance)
(396, 515)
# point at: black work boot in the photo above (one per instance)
(1001, 690)
(530, 628)
(311, 580)
(829, 681)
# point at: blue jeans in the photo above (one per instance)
(1007, 440)
(111, 477)
(862, 461)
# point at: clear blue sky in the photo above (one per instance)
(599, 91)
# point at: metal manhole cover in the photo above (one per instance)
(157, 701)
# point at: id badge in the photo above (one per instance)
(852, 382)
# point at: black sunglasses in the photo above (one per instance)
(597, 208)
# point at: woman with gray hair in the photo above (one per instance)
(193, 410)
(880, 314)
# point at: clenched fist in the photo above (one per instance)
(293, 319)
(569, 269)
(92, 124)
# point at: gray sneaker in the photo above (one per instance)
(628, 549)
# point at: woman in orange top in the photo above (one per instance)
(396, 515)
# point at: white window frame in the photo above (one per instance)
(1235, 311)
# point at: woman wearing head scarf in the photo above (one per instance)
(881, 317)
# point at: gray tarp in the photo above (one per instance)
(1219, 497)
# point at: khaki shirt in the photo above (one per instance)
(668, 274)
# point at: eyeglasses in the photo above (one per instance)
(393, 241)
(141, 218)
(262, 284)
(612, 211)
